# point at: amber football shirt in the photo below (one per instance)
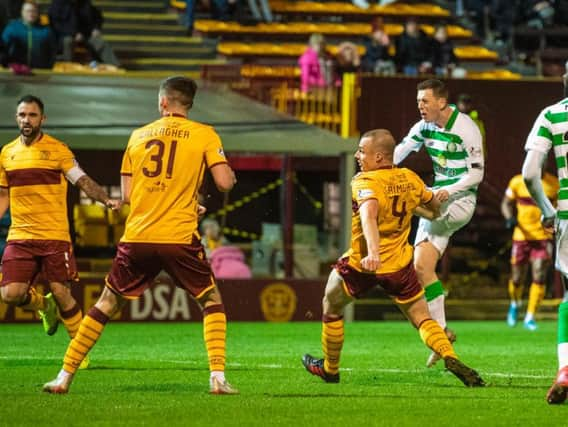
(529, 226)
(167, 160)
(398, 192)
(35, 177)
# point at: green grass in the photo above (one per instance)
(156, 374)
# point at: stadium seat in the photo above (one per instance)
(338, 8)
(464, 53)
(91, 225)
(208, 26)
(425, 10)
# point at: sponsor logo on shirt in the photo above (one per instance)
(364, 193)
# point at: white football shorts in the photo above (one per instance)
(454, 214)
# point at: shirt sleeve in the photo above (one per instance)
(411, 142)
(363, 189)
(214, 153)
(540, 136)
(510, 191)
(70, 166)
(475, 163)
(126, 166)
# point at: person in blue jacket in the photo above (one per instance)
(28, 42)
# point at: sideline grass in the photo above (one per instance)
(156, 374)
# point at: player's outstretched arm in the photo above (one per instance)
(96, 192)
(532, 172)
(223, 176)
(430, 210)
(411, 143)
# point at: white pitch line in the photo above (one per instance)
(280, 366)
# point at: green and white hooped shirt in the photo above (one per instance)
(456, 151)
(551, 130)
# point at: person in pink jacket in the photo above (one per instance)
(316, 67)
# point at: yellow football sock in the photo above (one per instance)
(34, 301)
(536, 295)
(72, 319)
(434, 337)
(215, 332)
(332, 342)
(515, 292)
(90, 330)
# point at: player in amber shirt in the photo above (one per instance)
(162, 170)
(384, 198)
(532, 244)
(34, 170)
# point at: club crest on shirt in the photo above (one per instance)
(452, 147)
(364, 193)
(44, 155)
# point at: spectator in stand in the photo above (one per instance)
(347, 60)
(537, 13)
(377, 58)
(220, 10)
(413, 50)
(211, 236)
(27, 43)
(364, 4)
(258, 6)
(79, 22)
(444, 59)
(315, 65)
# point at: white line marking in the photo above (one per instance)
(280, 366)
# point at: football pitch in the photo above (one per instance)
(156, 374)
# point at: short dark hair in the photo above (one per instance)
(438, 87)
(179, 89)
(465, 98)
(30, 99)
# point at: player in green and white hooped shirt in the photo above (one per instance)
(550, 130)
(454, 143)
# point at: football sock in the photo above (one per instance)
(536, 295)
(33, 301)
(515, 293)
(90, 330)
(214, 333)
(435, 338)
(434, 294)
(563, 335)
(72, 319)
(332, 342)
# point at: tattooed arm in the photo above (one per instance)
(96, 192)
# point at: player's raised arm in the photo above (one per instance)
(411, 142)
